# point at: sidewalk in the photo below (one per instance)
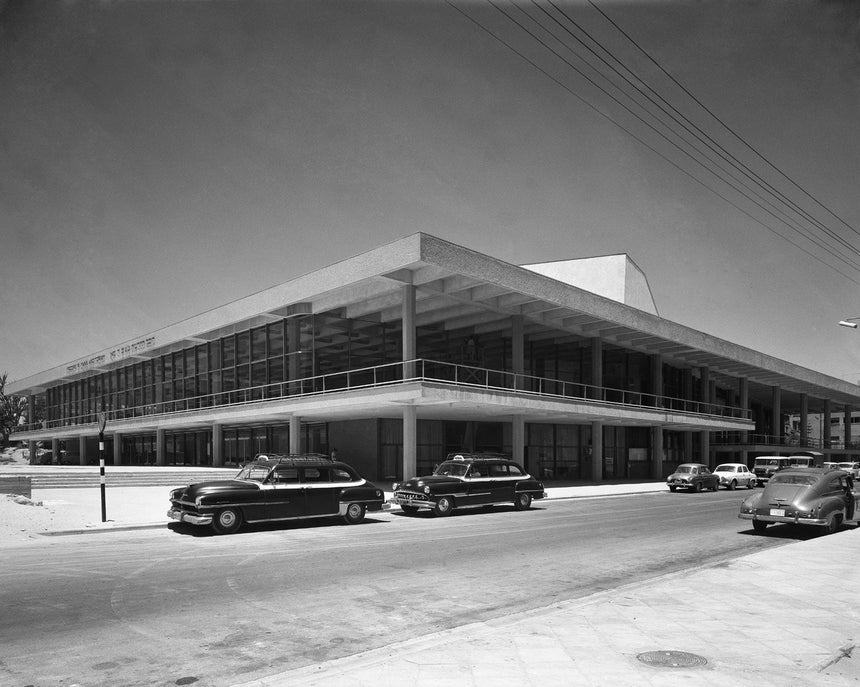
(787, 616)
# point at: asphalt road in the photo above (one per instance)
(177, 606)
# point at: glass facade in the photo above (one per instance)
(312, 352)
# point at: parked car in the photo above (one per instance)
(468, 479)
(733, 475)
(278, 487)
(850, 467)
(694, 476)
(765, 467)
(804, 496)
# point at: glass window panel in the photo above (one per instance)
(228, 351)
(202, 385)
(189, 362)
(215, 355)
(258, 344)
(276, 370)
(167, 363)
(258, 374)
(243, 347)
(276, 339)
(228, 379)
(202, 358)
(178, 365)
(242, 376)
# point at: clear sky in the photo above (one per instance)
(161, 158)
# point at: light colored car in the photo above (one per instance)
(733, 475)
(851, 468)
(804, 496)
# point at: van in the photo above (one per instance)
(765, 466)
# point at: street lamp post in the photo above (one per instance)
(102, 422)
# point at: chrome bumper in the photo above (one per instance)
(175, 514)
(408, 501)
(788, 519)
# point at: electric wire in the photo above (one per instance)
(722, 123)
(695, 130)
(603, 114)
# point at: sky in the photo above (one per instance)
(159, 158)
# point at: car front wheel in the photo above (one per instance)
(227, 521)
(672, 488)
(444, 506)
(759, 525)
(409, 510)
(732, 485)
(751, 484)
(354, 513)
(698, 486)
(523, 501)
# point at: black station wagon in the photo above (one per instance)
(278, 487)
(466, 479)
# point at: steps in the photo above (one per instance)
(117, 477)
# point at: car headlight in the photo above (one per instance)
(426, 490)
(395, 486)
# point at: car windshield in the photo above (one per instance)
(255, 473)
(451, 468)
(684, 468)
(769, 461)
(803, 480)
(846, 466)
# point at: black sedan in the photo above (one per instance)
(277, 487)
(468, 480)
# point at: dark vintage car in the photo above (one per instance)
(278, 487)
(468, 479)
(694, 476)
(804, 496)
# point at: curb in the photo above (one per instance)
(110, 528)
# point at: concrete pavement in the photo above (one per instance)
(787, 616)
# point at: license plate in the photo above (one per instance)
(780, 512)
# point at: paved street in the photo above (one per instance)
(154, 606)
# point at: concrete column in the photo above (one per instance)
(848, 438)
(410, 342)
(776, 414)
(217, 445)
(657, 379)
(804, 419)
(55, 451)
(34, 455)
(825, 429)
(744, 400)
(657, 453)
(31, 410)
(294, 332)
(705, 437)
(518, 349)
(704, 387)
(82, 450)
(518, 441)
(597, 451)
(688, 396)
(117, 448)
(295, 434)
(597, 367)
(410, 441)
(160, 447)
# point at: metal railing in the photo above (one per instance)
(418, 370)
(782, 442)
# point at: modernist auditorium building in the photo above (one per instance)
(421, 347)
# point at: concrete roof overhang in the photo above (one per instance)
(458, 288)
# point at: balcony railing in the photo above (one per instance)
(421, 370)
(786, 442)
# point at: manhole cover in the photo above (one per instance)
(672, 659)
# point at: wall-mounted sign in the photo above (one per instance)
(116, 354)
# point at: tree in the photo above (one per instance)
(12, 409)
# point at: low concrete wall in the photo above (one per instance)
(16, 485)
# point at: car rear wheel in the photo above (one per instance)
(444, 506)
(354, 513)
(833, 524)
(523, 501)
(751, 484)
(732, 485)
(759, 525)
(716, 486)
(227, 521)
(409, 510)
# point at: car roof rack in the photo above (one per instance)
(288, 458)
(466, 455)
